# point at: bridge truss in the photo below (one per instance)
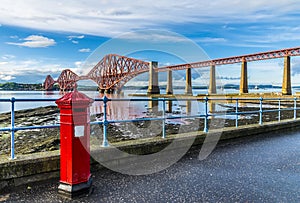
(114, 71)
(236, 59)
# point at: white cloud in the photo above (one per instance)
(71, 37)
(276, 37)
(111, 18)
(6, 77)
(14, 37)
(14, 68)
(35, 70)
(3, 63)
(250, 45)
(35, 41)
(78, 64)
(84, 50)
(154, 36)
(81, 68)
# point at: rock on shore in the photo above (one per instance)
(30, 141)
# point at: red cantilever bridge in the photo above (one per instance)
(114, 71)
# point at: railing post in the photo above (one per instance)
(105, 122)
(279, 108)
(206, 116)
(12, 136)
(295, 108)
(236, 113)
(260, 111)
(164, 120)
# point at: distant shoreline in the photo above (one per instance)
(13, 86)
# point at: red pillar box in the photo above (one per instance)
(75, 176)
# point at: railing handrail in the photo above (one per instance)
(152, 99)
(105, 122)
(27, 99)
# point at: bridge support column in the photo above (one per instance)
(153, 87)
(109, 91)
(212, 106)
(188, 83)
(169, 106)
(169, 83)
(286, 84)
(188, 107)
(212, 80)
(153, 105)
(244, 78)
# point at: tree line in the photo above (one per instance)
(20, 86)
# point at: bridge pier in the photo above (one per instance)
(212, 80)
(109, 91)
(244, 77)
(286, 84)
(169, 89)
(212, 106)
(188, 107)
(188, 82)
(153, 87)
(153, 105)
(169, 106)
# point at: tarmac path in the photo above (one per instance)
(262, 168)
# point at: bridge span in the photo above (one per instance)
(114, 71)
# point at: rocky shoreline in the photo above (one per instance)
(31, 141)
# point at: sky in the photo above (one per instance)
(40, 37)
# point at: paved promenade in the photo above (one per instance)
(257, 169)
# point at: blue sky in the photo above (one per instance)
(44, 37)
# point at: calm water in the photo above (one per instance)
(5, 106)
(116, 110)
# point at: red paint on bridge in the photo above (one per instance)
(114, 71)
(236, 59)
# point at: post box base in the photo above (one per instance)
(70, 191)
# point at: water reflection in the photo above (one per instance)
(118, 110)
(124, 110)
